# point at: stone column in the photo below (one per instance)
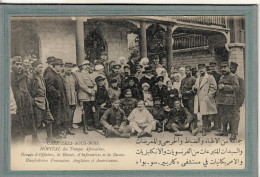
(80, 53)
(143, 46)
(169, 47)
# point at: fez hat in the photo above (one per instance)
(36, 63)
(69, 64)
(85, 62)
(50, 59)
(147, 70)
(145, 84)
(57, 61)
(224, 63)
(233, 65)
(99, 78)
(99, 67)
(201, 65)
(116, 65)
(160, 78)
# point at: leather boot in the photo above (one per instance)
(49, 133)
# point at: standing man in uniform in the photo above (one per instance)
(228, 86)
(41, 109)
(240, 95)
(86, 94)
(71, 87)
(216, 75)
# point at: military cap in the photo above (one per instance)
(118, 66)
(85, 62)
(99, 78)
(224, 63)
(69, 64)
(212, 64)
(113, 81)
(36, 63)
(201, 65)
(233, 65)
(160, 78)
(57, 61)
(147, 70)
(50, 59)
(126, 66)
(194, 69)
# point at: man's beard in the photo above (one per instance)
(188, 74)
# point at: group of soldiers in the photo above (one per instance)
(133, 97)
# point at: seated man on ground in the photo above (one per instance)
(114, 122)
(141, 120)
(180, 119)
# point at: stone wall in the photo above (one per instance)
(57, 38)
(237, 55)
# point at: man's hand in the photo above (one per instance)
(186, 125)
(103, 105)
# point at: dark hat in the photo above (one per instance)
(212, 64)
(224, 63)
(116, 66)
(156, 57)
(132, 78)
(194, 69)
(139, 66)
(57, 61)
(201, 65)
(157, 99)
(160, 78)
(50, 59)
(233, 65)
(69, 64)
(113, 81)
(187, 67)
(99, 78)
(36, 63)
(147, 70)
(207, 68)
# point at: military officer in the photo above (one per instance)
(228, 86)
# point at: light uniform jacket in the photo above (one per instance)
(86, 86)
(204, 102)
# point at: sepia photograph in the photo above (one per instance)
(128, 92)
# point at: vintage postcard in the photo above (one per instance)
(117, 90)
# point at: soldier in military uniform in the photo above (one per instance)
(41, 109)
(128, 103)
(240, 94)
(186, 92)
(216, 75)
(86, 94)
(71, 87)
(228, 86)
(115, 74)
(114, 122)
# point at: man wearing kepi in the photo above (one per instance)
(114, 122)
(71, 87)
(141, 120)
(240, 95)
(204, 103)
(228, 86)
(57, 98)
(86, 94)
(41, 109)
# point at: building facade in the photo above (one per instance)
(178, 40)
